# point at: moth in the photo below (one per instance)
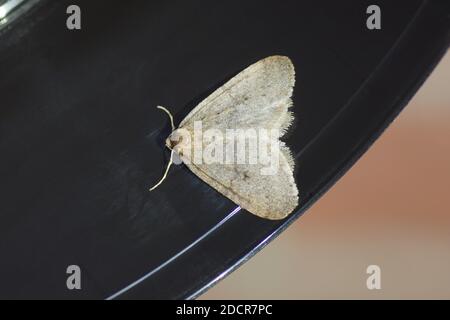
(256, 100)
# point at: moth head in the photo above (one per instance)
(179, 141)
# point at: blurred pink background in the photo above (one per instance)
(392, 209)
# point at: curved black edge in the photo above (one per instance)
(407, 72)
(23, 10)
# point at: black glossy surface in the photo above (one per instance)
(81, 141)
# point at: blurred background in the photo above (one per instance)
(391, 209)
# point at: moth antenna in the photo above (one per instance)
(171, 151)
(169, 114)
(165, 173)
